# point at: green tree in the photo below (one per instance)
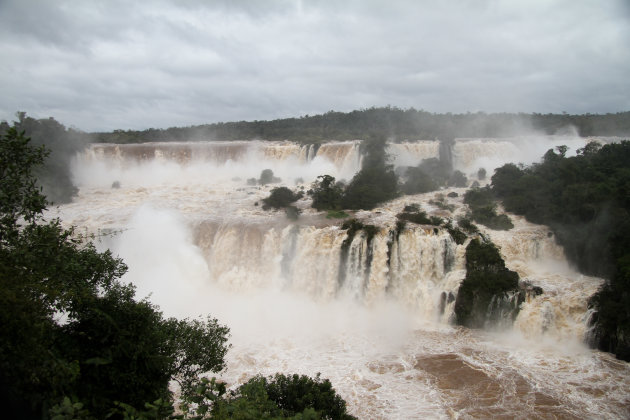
(326, 193)
(109, 347)
(280, 197)
(376, 182)
(275, 397)
(585, 200)
(487, 281)
(53, 175)
(418, 182)
(267, 177)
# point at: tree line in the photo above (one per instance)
(395, 123)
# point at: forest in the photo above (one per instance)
(585, 200)
(395, 123)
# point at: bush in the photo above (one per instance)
(487, 280)
(418, 182)
(466, 224)
(419, 217)
(326, 193)
(278, 397)
(376, 182)
(457, 179)
(483, 206)
(266, 177)
(280, 197)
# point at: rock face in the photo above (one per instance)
(489, 296)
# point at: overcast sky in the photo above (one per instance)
(103, 65)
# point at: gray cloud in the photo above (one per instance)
(106, 65)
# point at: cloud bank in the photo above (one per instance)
(105, 65)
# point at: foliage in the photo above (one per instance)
(419, 217)
(433, 173)
(326, 193)
(277, 397)
(484, 209)
(280, 197)
(457, 179)
(267, 177)
(440, 202)
(376, 182)
(457, 234)
(353, 226)
(54, 174)
(481, 174)
(418, 182)
(467, 225)
(398, 123)
(585, 200)
(109, 347)
(487, 279)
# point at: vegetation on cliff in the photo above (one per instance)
(483, 206)
(585, 200)
(487, 295)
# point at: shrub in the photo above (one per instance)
(466, 224)
(266, 177)
(487, 280)
(419, 217)
(418, 182)
(280, 197)
(326, 193)
(457, 179)
(483, 206)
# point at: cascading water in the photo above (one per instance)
(369, 312)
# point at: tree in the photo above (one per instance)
(266, 177)
(326, 193)
(53, 175)
(376, 182)
(487, 281)
(418, 182)
(110, 347)
(275, 397)
(585, 201)
(280, 197)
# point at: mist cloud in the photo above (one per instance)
(107, 65)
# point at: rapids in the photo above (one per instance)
(198, 243)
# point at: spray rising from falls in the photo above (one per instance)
(370, 311)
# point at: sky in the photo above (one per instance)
(102, 65)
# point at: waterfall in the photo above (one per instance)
(372, 311)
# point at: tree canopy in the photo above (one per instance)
(70, 329)
(585, 200)
(399, 124)
(53, 174)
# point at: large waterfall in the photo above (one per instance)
(372, 313)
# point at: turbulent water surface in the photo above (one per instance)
(197, 241)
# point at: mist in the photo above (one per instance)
(196, 244)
